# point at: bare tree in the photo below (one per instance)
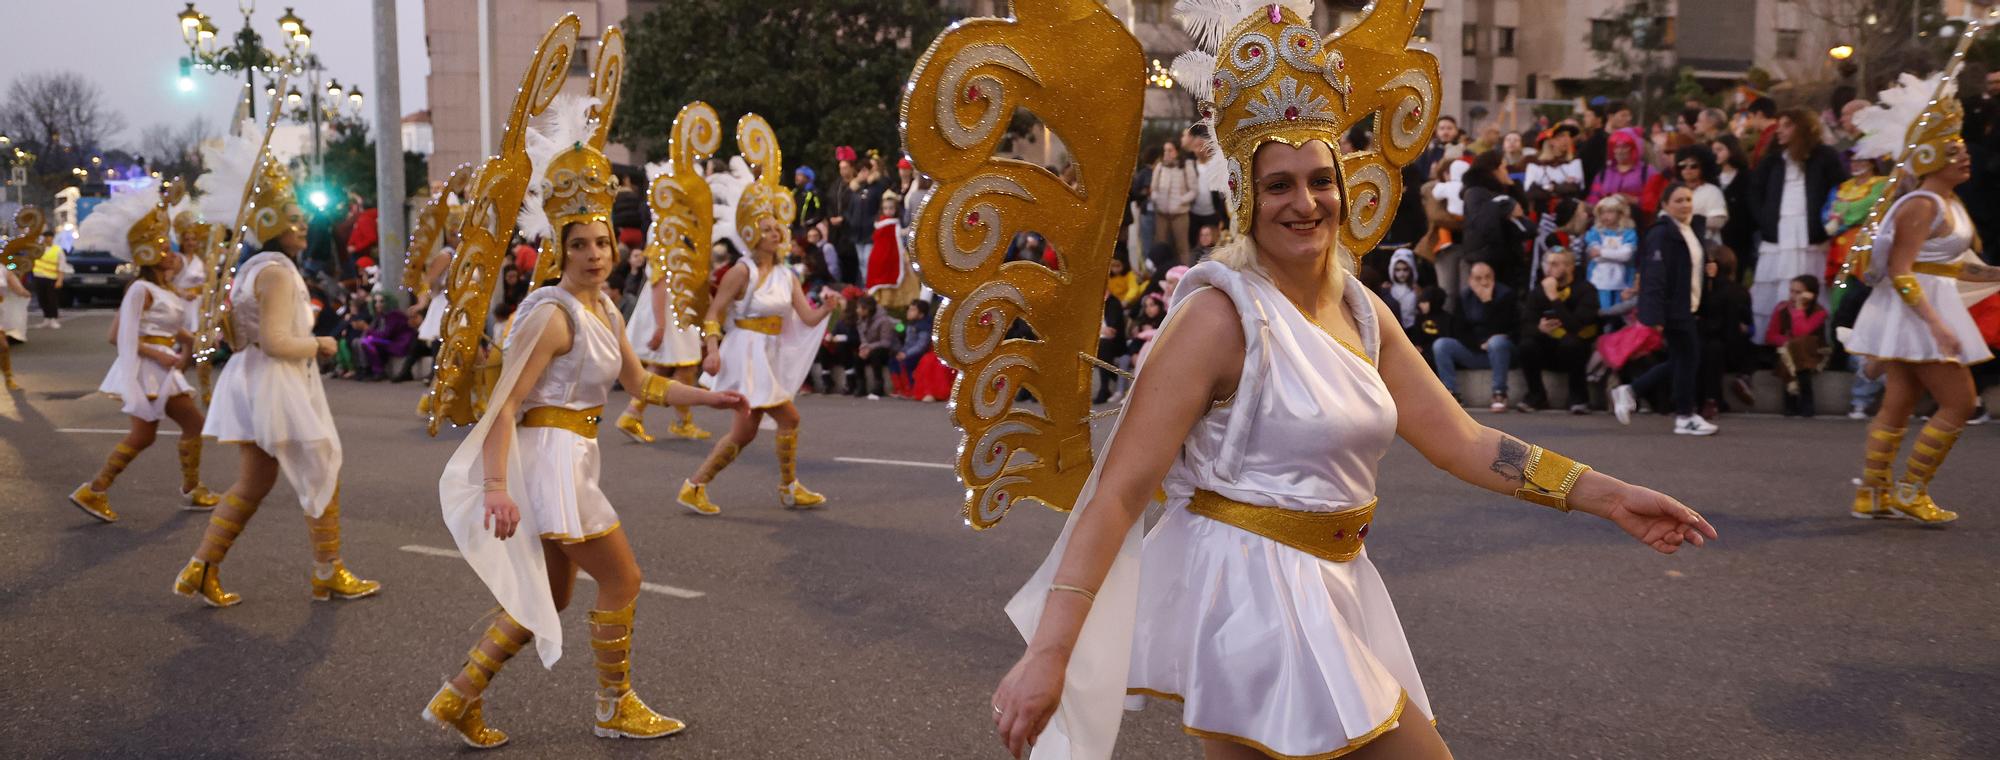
(176, 151)
(62, 118)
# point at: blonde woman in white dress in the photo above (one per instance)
(153, 347)
(1265, 407)
(268, 399)
(774, 330)
(1915, 323)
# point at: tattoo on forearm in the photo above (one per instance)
(1512, 461)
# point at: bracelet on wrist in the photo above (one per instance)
(1908, 288)
(1087, 593)
(711, 329)
(1548, 479)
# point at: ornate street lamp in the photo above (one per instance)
(247, 53)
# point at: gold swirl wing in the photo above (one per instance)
(758, 144)
(21, 249)
(216, 325)
(1074, 65)
(495, 198)
(1399, 84)
(677, 247)
(429, 233)
(606, 80)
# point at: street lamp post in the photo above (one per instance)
(309, 106)
(247, 53)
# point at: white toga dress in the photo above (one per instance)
(767, 369)
(142, 384)
(1263, 644)
(1887, 328)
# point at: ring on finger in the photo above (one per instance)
(997, 710)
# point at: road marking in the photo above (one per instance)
(105, 431)
(657, 588)
(895, 462)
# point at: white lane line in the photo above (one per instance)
(895, 462)
(657, 588)
(105, 431)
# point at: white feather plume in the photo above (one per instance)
(1207, 20)
(1886, 125)
(656, 170)
(228, 163)
(107, 225)
(563, 126)
(1195, 70)
(727, 188)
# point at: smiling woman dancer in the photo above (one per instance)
(774, 329)
(268, 398)
(1915, 323)
(1265, 409)
(532, 463)
(153, 346)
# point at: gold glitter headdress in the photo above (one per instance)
(1075, 66)
(573, 180)
(497, 191)
(1914, 120)
(767, 195)
(677, 248)
(1262, 74)
(131, 226)
(27, 242)
(437, 216)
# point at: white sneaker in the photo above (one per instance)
(53, 324)
(1693, 424)
(873, 397)
(1859, 412)
(1981, 418)
(1622, 404)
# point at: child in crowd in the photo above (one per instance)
(1144, 328)
(1400, 290)
(1123, 283)
(916, 341)
(1610, 245)
(1431, 320)
(1797, 330)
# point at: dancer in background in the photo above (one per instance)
(775, 330)
(664, 328)
(1915, 323)
(153, 342)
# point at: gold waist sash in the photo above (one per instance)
(765, 325)
(157, 340)
(1937, 268)
(1331, 536)
(582, 422)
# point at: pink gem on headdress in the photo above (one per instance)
(999, 449)
(1364, 531)
(986, 319)
(1339, 534)
(972, 219)
(1003, 497)
(1256, 52)
(1304, 43)
(1000, 383)
(972, 93)
(1292, 113)
(1373, 202)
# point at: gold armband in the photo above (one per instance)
(1548, 478)
(711, 329)
(1087, 593)
(655, 391)
(1908, 288)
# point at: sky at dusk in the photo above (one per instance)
(131, 49)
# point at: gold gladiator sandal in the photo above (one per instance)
(199, 498)
(633, 425)
(1913, 495)
(619, 711)
(793, 494)
(465, 714)
(685, 429)
(695, 495)
(1872, 498)
(91, 497)
(335, 581)
(202, 575)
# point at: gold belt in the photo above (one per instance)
(582, 422)
(1331, 536)
(1952, 270)
(157, 340)
(765, 325)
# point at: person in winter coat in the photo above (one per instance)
(878, 342)
(1174, 185)
(1482, 334)
(1672, 261)
(1496, 227)
(1792, 187)
(1558, 331)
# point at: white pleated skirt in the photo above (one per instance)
(280, 406)
(1887, 328)
(761, 367)
(680, 348)
(560, 481)
(1267, 646)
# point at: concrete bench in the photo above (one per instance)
(1830, 391)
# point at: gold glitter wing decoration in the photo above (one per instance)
(428, 236)
(20, 250)
(605, 82)
(495, 198)
(766, 195)
(216, 326)
(1074, 65)
(1398, 84)
(677, 248)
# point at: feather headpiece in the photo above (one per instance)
(766, 196)
(1908, 124)
(131, 226)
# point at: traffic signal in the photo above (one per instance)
(187, 75)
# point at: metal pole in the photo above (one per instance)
(391, 202)
(485, 81)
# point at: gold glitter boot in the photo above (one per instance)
(91, 497)
(619, 711)
(793, 494)
(465, 714)
(329, 576)
(1873, 498)
(695, 495)
(686, 429)
(200, 499)
(1913, 495)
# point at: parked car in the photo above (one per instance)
(94, 276)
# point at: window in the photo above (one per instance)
(1504, 41)
(1470, 91)
(1502, 91)
(579, 59)
(1532, 81)
(1603, 34)
(1424, 26)
(1471, 44)
(1788, 44)
(1152, 11)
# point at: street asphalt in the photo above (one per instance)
(873, 628)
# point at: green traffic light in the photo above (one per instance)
(318, 199)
